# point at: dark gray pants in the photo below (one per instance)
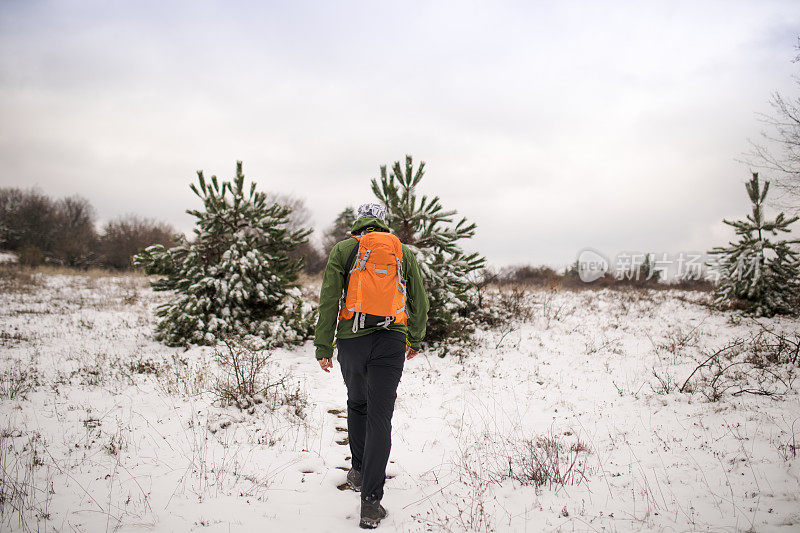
(371, 366)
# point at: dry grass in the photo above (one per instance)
(178, 376)
(15, 279)
(94, 273)
(24, 496)
(18, 279)
(552, 460)
(544, 277)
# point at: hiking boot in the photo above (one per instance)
(372, 512)
(354, 479)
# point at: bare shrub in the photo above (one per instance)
(30, 256)
(763, 364)
(18, 380)
(117, 442)
(293, 396)
(142, 365)
(93, 370)
(513, 303)
(674, 349)
(500, 453)
(551, 309)
(497, 306)
(495, 455)
(666, 382)
(788, 450)
(245, 381)
(678, 340)
(502, 308)
(540, 461)
(593, 345)
(242, 365)
(482, 280)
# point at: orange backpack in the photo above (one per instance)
(376, 291)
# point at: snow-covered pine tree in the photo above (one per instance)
(235, 278)
(757, 268)
(429, 231)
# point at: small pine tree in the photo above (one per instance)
(573, 270)
(429, 232)
(235, 278)
(340, 229)
(757, 269)
(647, 272)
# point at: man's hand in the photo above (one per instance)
(411, 352)
(326, 364)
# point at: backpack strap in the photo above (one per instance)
(349, 265)
(348, 269)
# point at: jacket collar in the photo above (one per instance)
(362, 223)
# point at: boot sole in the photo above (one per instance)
(367, 523)
(371, 523)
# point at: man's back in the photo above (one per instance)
(332, 289)
(371, 357)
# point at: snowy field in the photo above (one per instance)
(569, 418)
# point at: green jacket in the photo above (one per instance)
(333, 288)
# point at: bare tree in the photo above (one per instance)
(300, 218)
(780, 151)
(74, 231)
(27, 219)
(300, 215)
(126, 235)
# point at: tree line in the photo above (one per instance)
(64, 231)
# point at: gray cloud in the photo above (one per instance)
(559, 125)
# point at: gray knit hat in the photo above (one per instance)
(372, 210)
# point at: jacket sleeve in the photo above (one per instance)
(329, 294)
(417, 300)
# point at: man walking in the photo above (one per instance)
(373, 285)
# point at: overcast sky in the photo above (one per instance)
(553, 125)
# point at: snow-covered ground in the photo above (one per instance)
(8, 257)
(119, 432)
